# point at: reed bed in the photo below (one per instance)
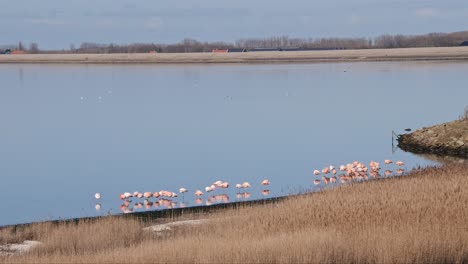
(417, 218)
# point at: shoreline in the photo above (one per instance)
(362, 55)
(163, 213)
(449, 138)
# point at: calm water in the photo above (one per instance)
(68, 131)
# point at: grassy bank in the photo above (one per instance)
(449, 139)
(407, 54)
(418, 218)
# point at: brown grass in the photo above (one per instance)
(441, 53)
(419, 218)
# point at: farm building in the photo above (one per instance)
(6, 51)
(18, 52)
(220, 51)
(265, 49)
(237, 50)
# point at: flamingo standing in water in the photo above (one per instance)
(97, 196)
(265, 182)
(218, 183)
(183, 191)
(388, 161)
(400, 163)
(316, 172)
(198, 193)
(326, 179)
(316, 182)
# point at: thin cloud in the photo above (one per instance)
(154, 23)
(354, 19)
(46, 21)
(427, 12)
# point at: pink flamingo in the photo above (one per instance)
(265, 182)
(326, 179)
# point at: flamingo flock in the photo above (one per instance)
(165, 198)
(355, 171)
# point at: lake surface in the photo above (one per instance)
(69, 131)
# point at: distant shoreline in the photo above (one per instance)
(363, 55)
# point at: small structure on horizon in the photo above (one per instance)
(18, 52)
(265, 49)
(6, 51)
(237, 50)
(464, 43)
(220, 50)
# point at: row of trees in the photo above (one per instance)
(191, 45)
(187, 45)
(384, 41)
(428, 40)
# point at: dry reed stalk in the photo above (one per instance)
(419, 218)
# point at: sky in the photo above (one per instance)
(56, 24)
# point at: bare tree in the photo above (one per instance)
(34, 48)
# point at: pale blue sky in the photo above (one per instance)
(58, 23)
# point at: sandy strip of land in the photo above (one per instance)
(411, 54)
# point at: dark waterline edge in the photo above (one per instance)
(155, 214)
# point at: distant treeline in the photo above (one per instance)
(191, 45)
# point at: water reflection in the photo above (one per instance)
(150, 127)
(443, 159)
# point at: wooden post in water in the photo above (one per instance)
(393, 140)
